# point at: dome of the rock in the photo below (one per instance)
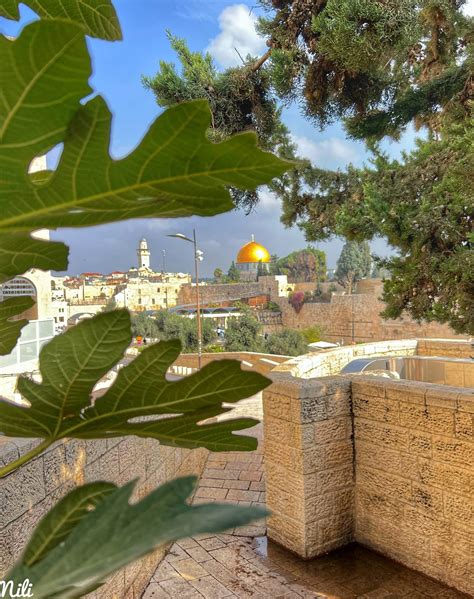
(252, 261)
(253, 252)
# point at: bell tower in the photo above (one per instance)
(143, 254)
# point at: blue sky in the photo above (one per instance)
(217, 25)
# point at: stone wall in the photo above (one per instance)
(356, 318)
(414, 493)
(263, 363)
(446, 348)
(217, 293)
(389, 464)
(309, 463)
(331, 361)
(28, 493)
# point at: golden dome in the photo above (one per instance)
(253, 252)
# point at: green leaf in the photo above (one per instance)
(97, 17)
(10, 329)
(170, 411)
(175, 171)
(19, 252)
(116, 533)
(43, 76)
(63, 518)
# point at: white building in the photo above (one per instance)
(143, 254)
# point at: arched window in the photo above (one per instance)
(17, 286)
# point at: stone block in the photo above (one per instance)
(288, 532)
(276, 405)
(420, 444)
(386, 435)
(459, 509)
(383, 484)
(406, 391)
(338, 454)
(446, 476)
(284, 503)
(283, 454)
(379, 506)
(368, 387)
(380, 458)
(283, 478)
(375, 408)
(426, 524)
(328, 431)
(332, 528)
(427, 499)
(454, 451)
(334, 480)
(430, 418)
(464, 426)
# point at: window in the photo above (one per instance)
(139, 300)
(17, 286)
(61, 319)
(152, 300)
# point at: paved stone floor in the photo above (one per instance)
(243, 563)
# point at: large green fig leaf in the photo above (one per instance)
(116, 533)
(170, 411)
(10, 329)
(19, 252)
(97, 17)
(63, 518)
(43, 76)
(175, 171)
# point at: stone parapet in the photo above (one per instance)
(414, 473)
(28, 493)
(330, 362)
(309, 463)
(389, 464)
(446, 348)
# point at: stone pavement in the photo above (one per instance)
(242, 563)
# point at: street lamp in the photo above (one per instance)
(198, 257)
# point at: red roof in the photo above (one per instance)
(91, 274)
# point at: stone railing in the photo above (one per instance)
(328, 362)
(28, 493)
(447, 348)
(389, 464)
(263, 363)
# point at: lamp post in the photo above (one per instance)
(198, 257)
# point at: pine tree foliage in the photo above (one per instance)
(241, 99)
(423, 205)
(354, 263)
(381, 64)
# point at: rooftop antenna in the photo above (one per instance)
(163, 252)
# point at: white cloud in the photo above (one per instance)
(269, 202)
(237, 25)
(468, 8)
(328, 153)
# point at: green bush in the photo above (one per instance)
(313, 334)
(287, 342)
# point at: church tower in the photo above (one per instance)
(143, 254)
